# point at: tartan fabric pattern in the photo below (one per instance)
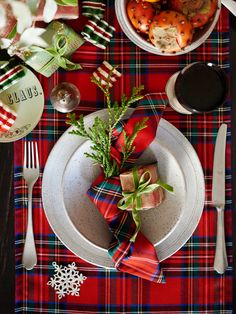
(137, 258)
(10, 73)
(191, 285)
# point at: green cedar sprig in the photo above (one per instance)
(100, 133)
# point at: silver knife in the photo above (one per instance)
(230, 5)
(218, 199)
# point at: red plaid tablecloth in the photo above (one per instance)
(191, 286)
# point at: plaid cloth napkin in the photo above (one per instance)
(191, 285)
(138, 258)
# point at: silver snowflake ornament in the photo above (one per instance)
(66, 280)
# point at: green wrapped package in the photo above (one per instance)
(62, 42)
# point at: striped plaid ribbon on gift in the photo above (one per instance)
(93, 7)
(10, 73)
(138, 258)
(98, 32)
(7, 117)
(104, 71)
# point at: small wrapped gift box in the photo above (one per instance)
(62, 42)
(148, 200)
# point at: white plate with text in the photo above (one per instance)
(26, 98)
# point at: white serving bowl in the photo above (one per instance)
(199, 37)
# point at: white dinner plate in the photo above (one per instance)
(77, 222)
(26, 97)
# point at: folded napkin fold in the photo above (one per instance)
(138, 258)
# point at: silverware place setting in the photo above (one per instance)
(218, 199)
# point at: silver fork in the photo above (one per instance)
(30, 174)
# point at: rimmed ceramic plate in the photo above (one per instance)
(76, 221)
(26, 97)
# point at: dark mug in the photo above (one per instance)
(199, 88)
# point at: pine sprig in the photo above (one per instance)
(79, 124)
(100, 133)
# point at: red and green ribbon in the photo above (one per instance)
(98, 32)
(105, 71)
(10, 73)
(93, 7)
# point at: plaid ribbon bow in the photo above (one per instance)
(137, 258)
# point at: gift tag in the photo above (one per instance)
(26, 98)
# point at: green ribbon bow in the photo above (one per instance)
(67, 2)
(57, 52)
(142, 186)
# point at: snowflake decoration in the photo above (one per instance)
(66, 280)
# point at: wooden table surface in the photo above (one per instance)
(7, 247)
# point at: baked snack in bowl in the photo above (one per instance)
(170, 31)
